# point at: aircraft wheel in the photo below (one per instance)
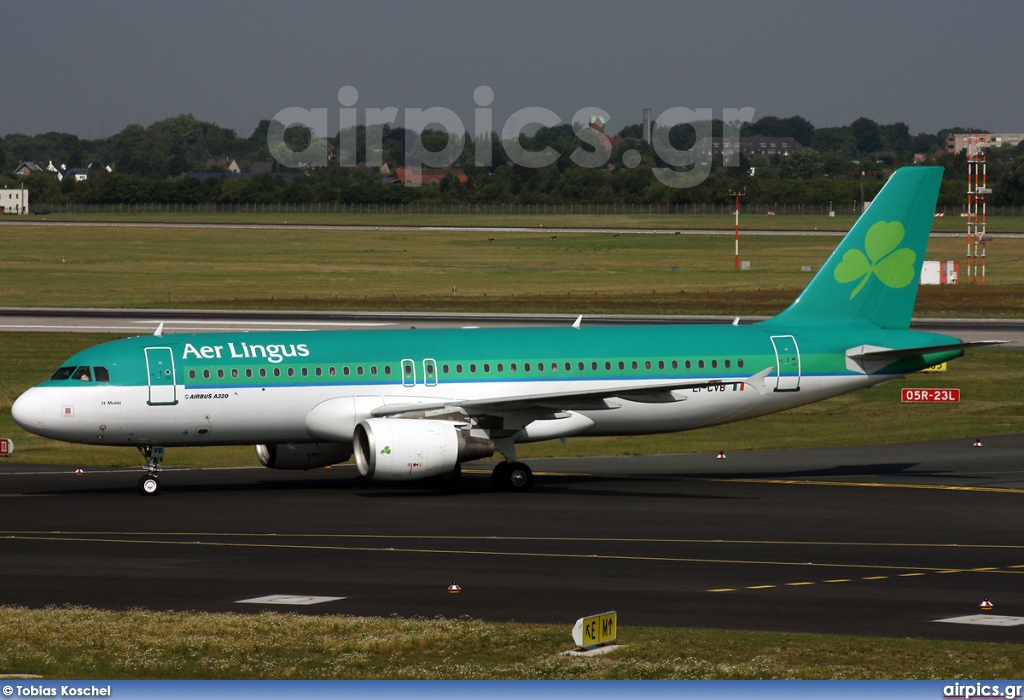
(149, 485)
(519, 477)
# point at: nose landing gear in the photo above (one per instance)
(149, 484)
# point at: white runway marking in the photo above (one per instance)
(988, 620)
(290, 599)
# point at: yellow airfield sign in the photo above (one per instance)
(595, 630)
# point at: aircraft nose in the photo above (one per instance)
(29, 410)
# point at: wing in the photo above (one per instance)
(587, 399)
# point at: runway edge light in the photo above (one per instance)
(977, 442)
(454, 588)
(721, 455)
(986, 604)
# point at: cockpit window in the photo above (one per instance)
(102, 375)
(62, 374)
(83, 374)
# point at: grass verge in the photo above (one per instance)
(83, 643)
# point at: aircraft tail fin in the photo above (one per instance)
(874, 273)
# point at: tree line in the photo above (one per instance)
(839, 165)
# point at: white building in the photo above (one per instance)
(14, 201)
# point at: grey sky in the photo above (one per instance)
(91, 68)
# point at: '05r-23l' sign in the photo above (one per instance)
(931, 396)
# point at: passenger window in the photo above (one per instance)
(234, 374)
(739, 363)
(102, 375)
(540, 366)
(62, 374)
(332, 371)
(373, 370)
(582, 366)
(445, 369)
(501, 367)
(689, 364)
(346, 371)
(487, 367)
(318, 372)
(513, 367)
(359, 370)
(568, 366)
(291, 371)
(714, 364)
(526, 367)
(248, 373)
(191, 374)
(700, 364)
(593, 366)
(305, 371)
(661, 364)
(263, 371)
(458, 368)
(277, 371)
(607, 365)
(220, 374)
(206, 374)
(387, 369)
(472, 367)
(728, 364)
(554, 366)
(622, 365)
(675, 364)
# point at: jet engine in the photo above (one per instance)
(302, 455)
(403, 449)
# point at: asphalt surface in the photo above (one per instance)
(877, 540)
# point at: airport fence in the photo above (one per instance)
(489, 209)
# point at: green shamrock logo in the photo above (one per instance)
(893, 268)
(386, 450)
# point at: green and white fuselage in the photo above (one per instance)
(417, 403)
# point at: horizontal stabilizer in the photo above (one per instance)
(870, 352)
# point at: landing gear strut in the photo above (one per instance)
(149, 484)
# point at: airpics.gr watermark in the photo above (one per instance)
(695, 168)
(981, 690)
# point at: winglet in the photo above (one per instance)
(579, 320)
(159, 329)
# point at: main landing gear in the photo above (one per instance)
(511, 476)
(149, 484)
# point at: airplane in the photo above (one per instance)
(417, 404)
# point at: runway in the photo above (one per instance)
(146, 321)
(875, 540)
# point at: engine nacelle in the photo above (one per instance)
(302, 455)
(403, 449)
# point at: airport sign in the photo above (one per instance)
(930, 396)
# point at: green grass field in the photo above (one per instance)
(140, 644)
(125, 266)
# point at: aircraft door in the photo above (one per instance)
(408, 373)
(162, 381)
(787, 363)
(429, 373)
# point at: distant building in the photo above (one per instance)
(748, 145)
(27, 168)
(428, 177)
(14, 201)
(260, 167)
(958, 142)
